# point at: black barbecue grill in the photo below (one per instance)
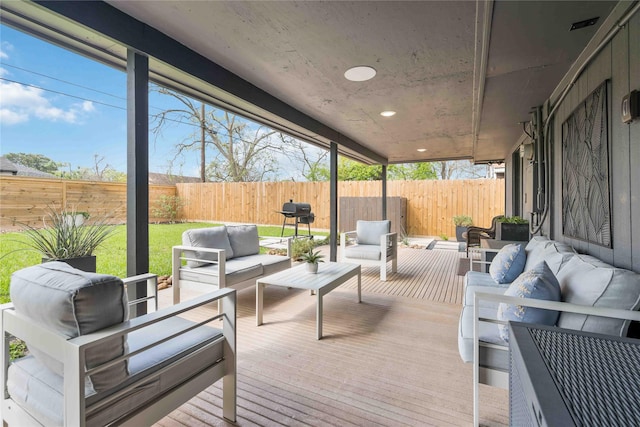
(301, 214)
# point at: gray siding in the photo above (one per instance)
(619, 63)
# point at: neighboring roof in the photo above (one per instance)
(166, 179)
(8, 167)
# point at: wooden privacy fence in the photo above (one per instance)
(431, 204)
(26, 200)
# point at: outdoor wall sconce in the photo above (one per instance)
(630, 107)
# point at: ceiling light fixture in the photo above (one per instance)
(360, 73)
(388, 113)
(422, 150)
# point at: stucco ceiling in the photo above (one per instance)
(448, 68)
(424, 53)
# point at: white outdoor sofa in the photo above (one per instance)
(89, 365)
(595, 297)
(223, 257)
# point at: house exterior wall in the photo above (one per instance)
(618, 63)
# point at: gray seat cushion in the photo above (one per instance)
(491, 358)
(236, 270)
(39, 389)
(211, 237)
(270, 263)
(586, 280)
(360, 251)
(72, 303)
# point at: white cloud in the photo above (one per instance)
(88, 106)
(4, 47)
(3, 72)
(9, 117)
(19, 103)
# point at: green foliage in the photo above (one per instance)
(302, 246)
(444, 237)
(513, 220)
(17, 349)
(312, 257)
(111, 255)
(35, 161)
(462, 220)
(63, 237)
(350, 170)
(411, 171)
(168, 207)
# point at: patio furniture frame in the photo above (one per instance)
(72, 353)
(329, 277)
(388, 252)
(499, 378)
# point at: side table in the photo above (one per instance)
(562, 377)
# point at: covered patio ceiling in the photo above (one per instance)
(460, 75)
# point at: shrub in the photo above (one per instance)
(168, 207)
(513, 220)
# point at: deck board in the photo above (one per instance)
(391, 360)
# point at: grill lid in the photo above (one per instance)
(294, 208)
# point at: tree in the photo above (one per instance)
(313, 159)
(35, 161)
(459, 169)
(98, 172)
(242, 151)
(411, 171)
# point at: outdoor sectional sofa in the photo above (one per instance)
(223, 256)
(593, 296)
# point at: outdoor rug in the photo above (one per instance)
(463, 266)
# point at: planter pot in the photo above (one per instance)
(74, 220)
(517, 232)
(312, 267)
(459, 230)
(85, 263)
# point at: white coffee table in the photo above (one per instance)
(330, 275)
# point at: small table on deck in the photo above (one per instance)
(330, 275)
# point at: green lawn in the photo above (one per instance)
(111, 256)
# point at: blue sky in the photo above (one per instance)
(71, 109)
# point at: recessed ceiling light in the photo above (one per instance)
(388, 113)
(360, 73)
(422, 150)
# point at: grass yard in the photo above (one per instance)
(111, 256)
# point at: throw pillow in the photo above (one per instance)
(211, 237)
(508, 263)
(537, 283)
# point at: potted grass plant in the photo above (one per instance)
(64, 238)
(462, 223)
(312, 259)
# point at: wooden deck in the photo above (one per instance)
(390, 361)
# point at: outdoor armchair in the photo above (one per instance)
(372, 243)
(89, 365)
(473, 233)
